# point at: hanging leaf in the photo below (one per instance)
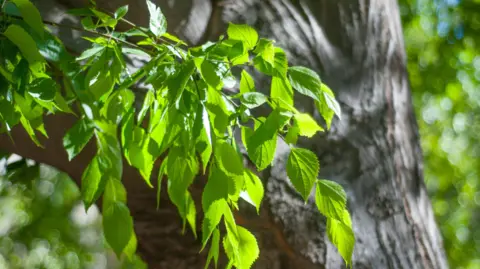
(43, 88)
(246, 83)
(30, 15)
(77, 137)
(92, 182)
(331, 199)
(117, 226)
(302, 170)
(305, 81)
(254, 189)
(341, 235)
(27, 46)
(214, 249)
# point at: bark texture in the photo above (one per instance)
(373, 151)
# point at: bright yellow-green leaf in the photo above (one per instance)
(254, 189)
(341, 235)
(307, 126)
(30, 15)
(244, 33)
(27, 47)
(77, 137)
(331, 199)
(246, 83)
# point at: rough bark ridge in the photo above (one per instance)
(374, 151)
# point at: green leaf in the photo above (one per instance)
(282, 90)
(158, 23)
(305, 81)
(214, 249)
(117, 105)
(278, 69)
(329, 99)
(292, 135)
(243, 250)
(176, 84)
(147, 102)
(228, 159)
(204, 137)
(181, 168)
(120, 12)
(331, 199)
(131, 249)
(77, 137)
(27, 47)
(140, 154)
(254, 189)
(302, 169)
(262, 143)
(214, 201)
(244, 33)
(253, 99)
(114, 192)
(43, 89)
(90, 53)
(117, 226)
(266, 51)
(217, 110)
(30, 15)
(341, 235)
(137, 52)
(8, 114)
(92, 184)
(246, 83)
(307, 126)
(210, 72)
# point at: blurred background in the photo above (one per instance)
(44, 225)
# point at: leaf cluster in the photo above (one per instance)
(187, 119)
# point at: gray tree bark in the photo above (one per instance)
(373, 151)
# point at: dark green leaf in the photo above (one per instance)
(77, 137)
(92, 184)
(43, 88)
(117, 226)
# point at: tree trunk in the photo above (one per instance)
(373, 151)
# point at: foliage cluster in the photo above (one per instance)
(187, 119)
